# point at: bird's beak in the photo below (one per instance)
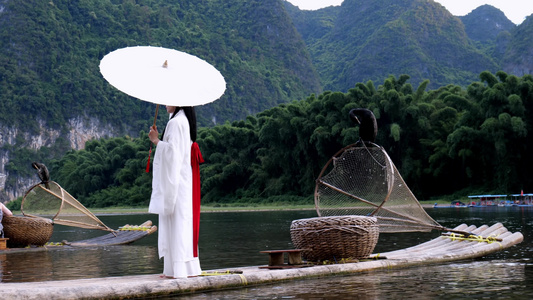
(357, 119)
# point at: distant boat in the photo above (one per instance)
(521, 199)
(501, 200)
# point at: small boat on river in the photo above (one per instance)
(501, 200)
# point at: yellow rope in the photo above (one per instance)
(216, 273)
(476, 238)
(244, 281)
(54, 244)
(134, 228)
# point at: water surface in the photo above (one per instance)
(234, 239)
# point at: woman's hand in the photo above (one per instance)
(153, 135)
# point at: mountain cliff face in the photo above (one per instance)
(80, 130)
(518, 57)
(490, 30)
(485, 23)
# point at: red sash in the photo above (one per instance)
(196, 159)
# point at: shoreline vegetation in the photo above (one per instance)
(230, 207)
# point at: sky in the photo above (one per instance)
(514, 10)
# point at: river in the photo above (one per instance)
(234, 239)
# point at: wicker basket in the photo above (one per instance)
(335, 238)
(27, 231)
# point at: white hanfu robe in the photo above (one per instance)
(172, 199)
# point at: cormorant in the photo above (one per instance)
(42, 171)
(368, 127)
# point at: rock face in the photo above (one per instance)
(518, 59)
(485, 23)
(79, 130)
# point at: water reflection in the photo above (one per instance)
(79, 263)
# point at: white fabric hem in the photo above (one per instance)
(182, 269)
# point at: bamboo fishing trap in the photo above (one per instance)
(359, 194)
(44, 205)
(361, 179)
(47, 203)
(51, 200)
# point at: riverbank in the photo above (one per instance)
(228, 208)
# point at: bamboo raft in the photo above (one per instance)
(126, 234)
(445, 248)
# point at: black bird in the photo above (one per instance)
(368, 127)
(42, 171)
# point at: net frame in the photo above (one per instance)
(388, 219)
(66, 199)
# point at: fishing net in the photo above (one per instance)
(361, 179)
(51, 200)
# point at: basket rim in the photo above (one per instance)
(354, 217)
(27, 218)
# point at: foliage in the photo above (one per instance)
(445, 141)
(485, 23)
(264, 145)
(107, 172)
(14, 205)
(365, 40)
(50, 53)
(51, 50)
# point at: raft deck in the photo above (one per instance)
(439, 250)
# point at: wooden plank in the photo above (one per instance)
(3, 243)
(282, 251)
(277, 257)
(295, 258)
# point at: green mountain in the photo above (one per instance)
(518, 57)
(369, 40)
(485, 23)
(310, 24)
(50, 51)
(53, 98)
(490, 30)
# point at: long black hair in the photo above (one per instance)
(190, 113)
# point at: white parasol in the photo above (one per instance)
(163, 76)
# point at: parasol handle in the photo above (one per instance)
(156, 110)
(150, 152)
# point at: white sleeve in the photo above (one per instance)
(168, 161)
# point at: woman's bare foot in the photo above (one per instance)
(165, 277)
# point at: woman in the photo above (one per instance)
(3, 211)
(172, 193)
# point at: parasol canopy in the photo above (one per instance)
(163, 76)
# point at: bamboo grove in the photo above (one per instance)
(448, 141)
